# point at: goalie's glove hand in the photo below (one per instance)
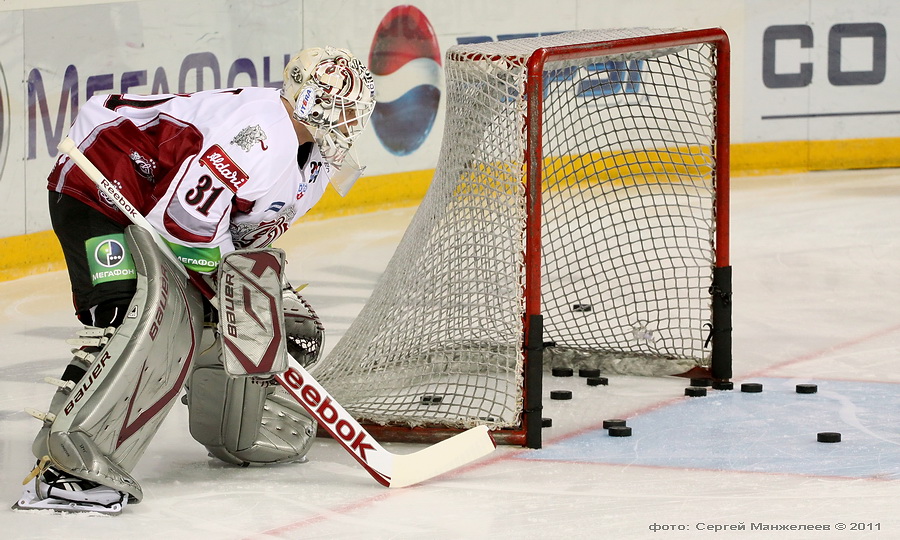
(304, 332)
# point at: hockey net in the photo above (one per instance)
(582, 187)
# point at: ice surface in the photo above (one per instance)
(816, 264)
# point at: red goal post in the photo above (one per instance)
(578, 216)
(720, 366)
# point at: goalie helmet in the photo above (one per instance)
(333, 93)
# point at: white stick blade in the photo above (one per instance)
(442, 457)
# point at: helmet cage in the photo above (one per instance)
(333, 93)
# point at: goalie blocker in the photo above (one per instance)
(251, 323)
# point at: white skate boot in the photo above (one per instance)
(48, 488)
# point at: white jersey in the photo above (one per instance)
(212, 171)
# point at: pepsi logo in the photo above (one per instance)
(406, 61)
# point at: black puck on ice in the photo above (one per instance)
(585, 372)
(430, 399)
(619, 431)
(560, 394)
(807, 388)
(695, 391)
(562, 372)
(751, 387)
(723, 385)
(828, 436)
(701, 382)
(582, 308)
(597, 381)
(546, 422)
(613, 422)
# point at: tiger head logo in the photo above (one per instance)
(249, 136)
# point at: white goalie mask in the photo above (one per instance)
(333, 93)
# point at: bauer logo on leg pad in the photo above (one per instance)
(251, 321)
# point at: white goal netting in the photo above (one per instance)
(627, 236)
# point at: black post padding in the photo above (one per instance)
(534, 376)
(721, 361)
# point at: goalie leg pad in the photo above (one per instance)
(76, 369)
(242, 421)
(111, 414)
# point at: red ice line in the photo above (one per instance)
(830, 349)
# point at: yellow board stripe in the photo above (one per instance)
(628, 167)
(372, 193)
(802, 156)
(29, 254)
(39, 252)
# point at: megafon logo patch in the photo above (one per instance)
(224, 168)
(4, 120)
(406, 59)
(109, 253)
(108, 259)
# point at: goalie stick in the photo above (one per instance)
(389, 469)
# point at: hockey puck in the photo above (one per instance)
(546, 422)
(701, 382)
(429, 399)
(613, 422)
(807, 388)
(582, 308)
(751, 387)
(828, 437)
(695, 391)
(597, 381)
(723, 385)
(562, 372)
(620, 431)
(560, 394)
(585, 372)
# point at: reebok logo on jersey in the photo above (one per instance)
(224, 168)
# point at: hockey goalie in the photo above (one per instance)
(219, 175)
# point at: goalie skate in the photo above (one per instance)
(57, 491)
